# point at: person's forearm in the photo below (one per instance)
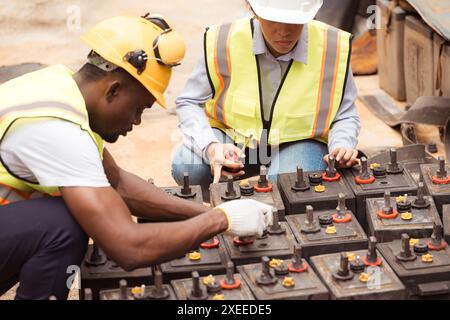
(104, 216)
(147, 200)
(344, 134)
(162, 242)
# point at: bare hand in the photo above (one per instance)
(345, 157)
(220, 159)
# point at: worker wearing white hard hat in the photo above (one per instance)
(286, 11)
(274, 89)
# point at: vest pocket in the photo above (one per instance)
(243, 106)
(297, 126)
(243, 117)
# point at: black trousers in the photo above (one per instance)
(41, 245)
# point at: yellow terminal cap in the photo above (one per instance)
(288, 282)
(375, 166)
(136, 291)
(427, 258)
(351, 256)
(218, 297)
(413, 242)
(275, 263)
(209, 280)
(330, 230)
(319, 189)
(401, 198)
(244, 183)
(194, 256)
(364, 277)
(406, 216)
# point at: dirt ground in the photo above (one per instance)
(46, 31)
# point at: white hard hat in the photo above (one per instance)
(286, 11)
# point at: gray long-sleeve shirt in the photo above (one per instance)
(197, 132)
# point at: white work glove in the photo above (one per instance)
(247, 218)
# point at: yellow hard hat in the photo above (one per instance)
(146, 47)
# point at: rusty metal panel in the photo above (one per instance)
(106, 274)
(419, 75)
(296, 201)
(399, 183)
(184, 287)
(446, 222)
(423, 277)
(390, 44)
(436, 13)
(418, 225)
(273, 198)
(305, 285)
(380, 282)
(347, 236)
(441, 50)
(273, 245)
(211, 261)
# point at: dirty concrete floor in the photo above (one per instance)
(46, 31)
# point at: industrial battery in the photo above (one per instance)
(359, 275)
(276, 242)
(98, 273)
(371, 181)
(262, 190)
(187, 191)
(159, 291)
(318, 189)
(423, 265)
(328, 231)
(284, 279)
(209, 258)
(389, 217)
(437, 182)
(220, 287)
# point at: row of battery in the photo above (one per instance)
(315, 228)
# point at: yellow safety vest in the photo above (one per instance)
(307, 100)
(47, 93)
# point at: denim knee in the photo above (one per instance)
(185, 160)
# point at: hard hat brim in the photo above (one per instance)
(285, 16)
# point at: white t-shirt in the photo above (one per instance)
(53, 152)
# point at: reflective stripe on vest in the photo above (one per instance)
(307, 100)
(64, 102)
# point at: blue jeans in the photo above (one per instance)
(306, 153)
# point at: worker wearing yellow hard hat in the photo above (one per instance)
(58, 182)
(277, 85)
